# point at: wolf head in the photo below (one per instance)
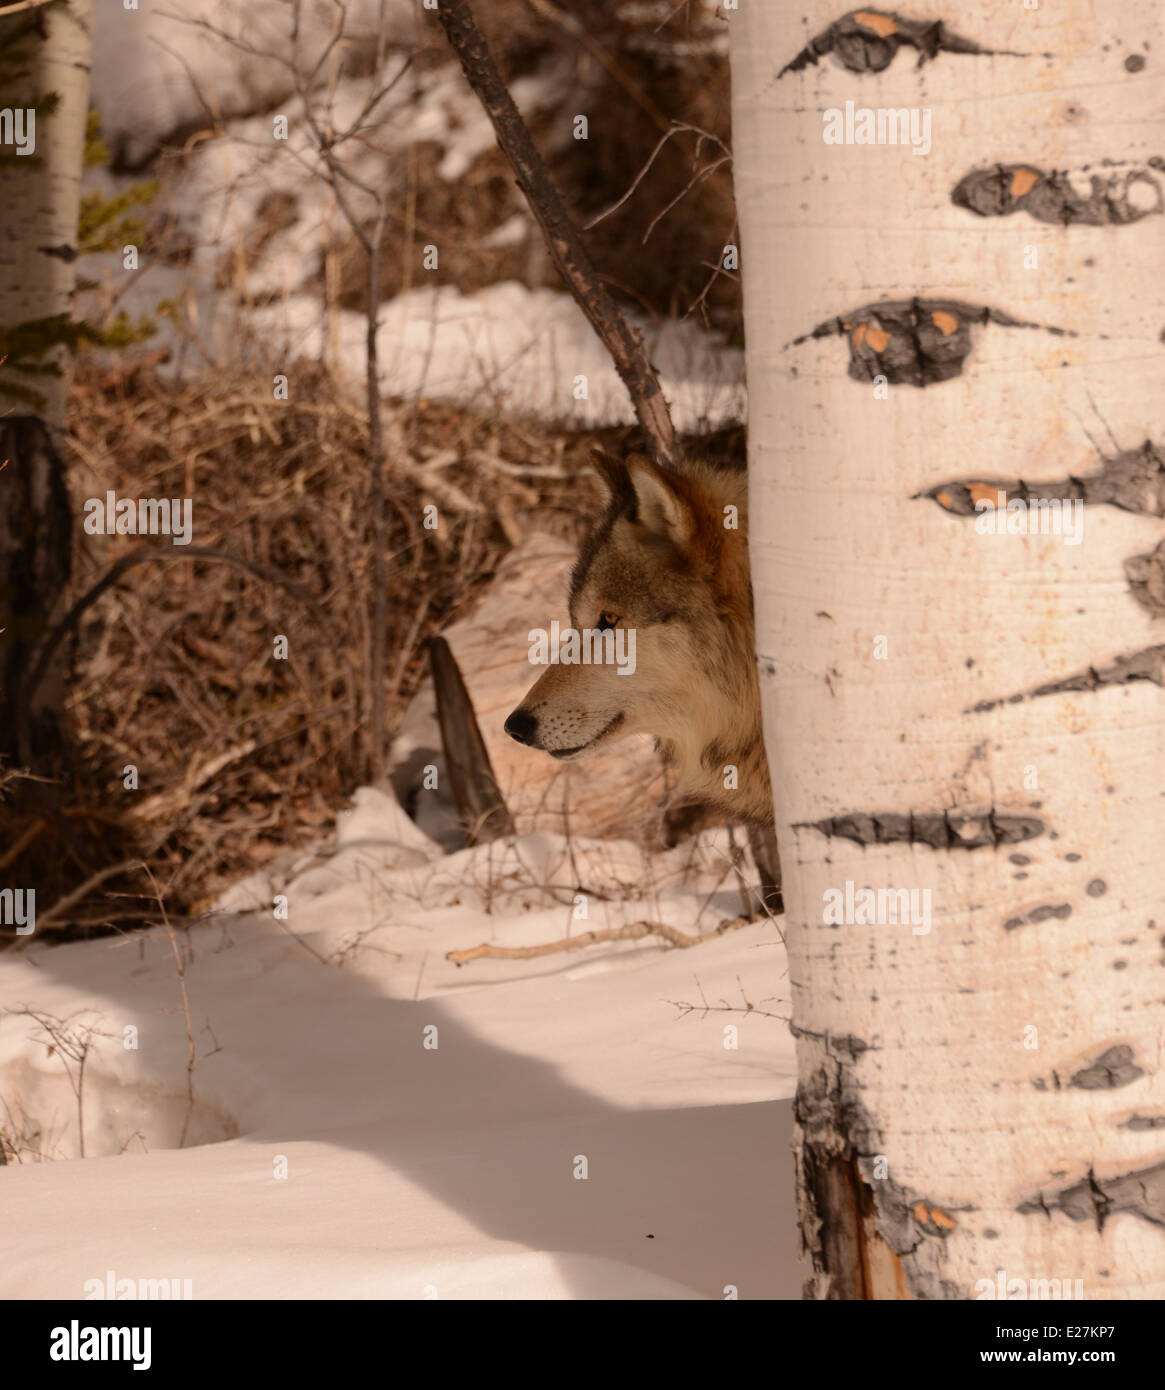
(665, 572)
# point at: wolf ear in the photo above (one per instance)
(660, 507)
(613, 472)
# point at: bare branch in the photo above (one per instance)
(637, 180)
(62, 906)
(623, 343)
(697, 178)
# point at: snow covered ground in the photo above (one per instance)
(157, 68)
(513, 349)
(338, 1153)
(260, 304)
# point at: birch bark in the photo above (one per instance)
(44, 96)
(974, 716)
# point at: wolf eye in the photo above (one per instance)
(607, 621)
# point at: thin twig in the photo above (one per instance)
(58, 909)
(677, 128)
(179, 964)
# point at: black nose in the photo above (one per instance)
(520, 726)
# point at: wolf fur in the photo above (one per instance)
(665, 561)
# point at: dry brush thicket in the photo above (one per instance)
(241, 755)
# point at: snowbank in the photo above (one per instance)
(507, 347)
(516, 349)
(157, 68)
(374, 1122)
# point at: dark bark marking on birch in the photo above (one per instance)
(933, 1220)
(850, 1047)
(1001, 189)
(1114, 1068)
(867, 41)
(1143, 1122)
(1060, 911)
(1133, 481)
(1135, 62)
(862, 1232)
(914, 342)
(939, 829)
(1146, 578)
(1146, 665)
(1140, 1193)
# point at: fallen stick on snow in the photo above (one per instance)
(634, 932)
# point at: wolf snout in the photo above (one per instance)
(521, 726)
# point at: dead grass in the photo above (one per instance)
(241, 755)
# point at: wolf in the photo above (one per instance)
(668, 560)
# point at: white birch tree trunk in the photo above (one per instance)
(45, 54)
(40, 187)
(971, 716)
